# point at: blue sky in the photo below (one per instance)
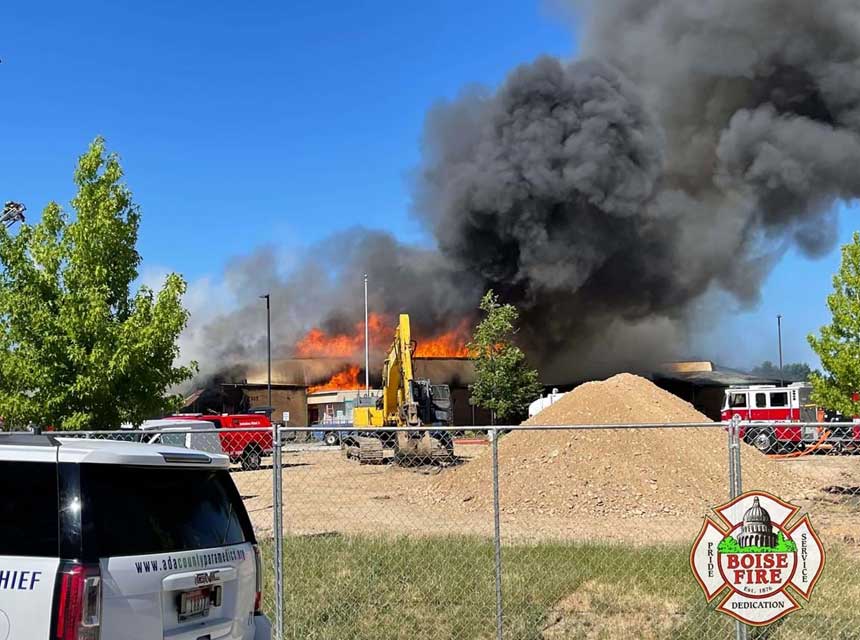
(269, 122)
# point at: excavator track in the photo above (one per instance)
(365, 450)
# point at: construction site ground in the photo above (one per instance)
(326, 494)
(595, 484)
(378, 551)
(596, 524)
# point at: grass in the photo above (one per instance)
(361, 587)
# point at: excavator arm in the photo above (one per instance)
(404, 402)
(399, 404)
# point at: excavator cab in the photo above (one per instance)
(434, 402)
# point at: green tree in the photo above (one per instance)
(792, 372)
(79, 350)
(504, 384)
(838, 346)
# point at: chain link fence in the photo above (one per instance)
(531, 532)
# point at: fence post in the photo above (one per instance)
(497, 533)
(735, 489)
(278, 530)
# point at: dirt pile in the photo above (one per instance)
(608, 476)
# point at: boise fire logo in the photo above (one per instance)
(761, 560)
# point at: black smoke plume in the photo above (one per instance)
(689, 147)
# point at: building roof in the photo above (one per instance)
(308, 372)
(709, 377)
(689, 366)
(261, 385)
(194, 397)
(303, 372)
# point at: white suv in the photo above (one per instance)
(105, 540)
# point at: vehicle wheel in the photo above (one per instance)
(251, 459)
(764, 440)
(331, 438)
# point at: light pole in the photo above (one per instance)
(366, 343)
(269, 348)
(779, 338)
(12, 212)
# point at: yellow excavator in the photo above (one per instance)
(405, 402)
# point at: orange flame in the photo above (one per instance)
(319, 344)
(343, 380)
(350, 346)
(447, 345)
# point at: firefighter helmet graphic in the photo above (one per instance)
(754, 555)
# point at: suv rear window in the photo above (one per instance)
(144, 510)
(28, 509)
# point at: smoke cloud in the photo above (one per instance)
(688, 147)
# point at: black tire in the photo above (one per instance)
(251, 458)
(331, 438)
(764, 440)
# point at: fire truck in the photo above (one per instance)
(244, 447)
(768, 412)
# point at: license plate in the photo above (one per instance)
(194, 604)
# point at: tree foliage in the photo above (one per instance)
(792, 372)
(783, 545)
(79, 350)
(505, 384)
(838, 345)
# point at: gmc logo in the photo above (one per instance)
(206, 577)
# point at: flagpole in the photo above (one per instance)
(366, 343)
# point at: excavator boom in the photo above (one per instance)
(405, 401)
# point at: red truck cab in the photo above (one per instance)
(238, 441)
(768, 412)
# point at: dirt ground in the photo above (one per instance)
(325, 494)
(639, 486)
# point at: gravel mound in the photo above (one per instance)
(611, 475)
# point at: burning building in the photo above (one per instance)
(327, 372)
(611, 197)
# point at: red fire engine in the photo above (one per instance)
(763, 405)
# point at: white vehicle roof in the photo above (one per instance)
(767, 387)
(166, 424)
(58, 449)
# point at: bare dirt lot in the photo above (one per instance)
(324, 493)
(639, 486)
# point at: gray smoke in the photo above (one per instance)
(324, 290)
(690, 146)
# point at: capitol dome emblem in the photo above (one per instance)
(762, 558)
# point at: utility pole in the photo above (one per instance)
(366, 343)
(779, 338)
(269, 348)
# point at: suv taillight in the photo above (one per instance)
(79, 605)
(258, 565)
